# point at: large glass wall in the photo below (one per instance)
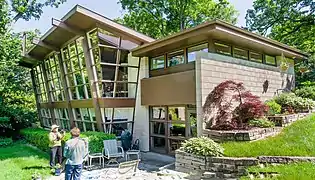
(40, 84)
(170, 126)
(117, 74)
(75, 71)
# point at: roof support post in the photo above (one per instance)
(92, 74)
(66, 27)
(65, 89)
(36, 97)
(49, 94)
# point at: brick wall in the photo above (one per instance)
(212, 69)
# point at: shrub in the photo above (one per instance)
(230, 106)
(306, 92)
(202, 146)
(39, 138)
(261, 122)
(273, 107)
(5, 142)
(290, 102)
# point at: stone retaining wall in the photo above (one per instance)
(201, 167)
(242, 135)
(285, 120)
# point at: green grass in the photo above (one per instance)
(295, 140)
(19, 162)
(298, 171)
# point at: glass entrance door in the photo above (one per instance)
(170, 126)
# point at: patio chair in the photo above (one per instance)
(112, 151)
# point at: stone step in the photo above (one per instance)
(208, 176)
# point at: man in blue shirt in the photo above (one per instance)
(75, 151)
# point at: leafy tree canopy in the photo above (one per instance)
(291, 22)
(288, 21)
(160, 18)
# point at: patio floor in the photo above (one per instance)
(153, 166)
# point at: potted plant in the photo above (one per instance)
(36, 176)
(284, 66)
(57, 169)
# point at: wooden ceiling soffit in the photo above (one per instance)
(45, 45)
(66, 27)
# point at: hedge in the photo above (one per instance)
(5, 142)
(39, 138)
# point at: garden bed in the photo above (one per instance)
(227, 167)
(241, 135)
(285, 120)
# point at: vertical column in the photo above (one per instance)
(91, 70)
(199, 110)
(211, 47)
(65, 88)
(36, 97)
(49, 95)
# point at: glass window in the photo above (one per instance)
(222, 48)
(240, 53)
(158, 144)
(158, 112)
(108, 55)
(191, 52)
(157, 63)
(253, 56)
(158, 128)
(175, 58)
(176, 113)
(270, 60)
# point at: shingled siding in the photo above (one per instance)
(212, 69)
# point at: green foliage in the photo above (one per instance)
(290, 22)
(96, 140)
(4, 120)
(202, 146)
(39, 138)
(291, 101)
(5, 142)
(298, 139)
(273, 107)
(261, 122)
(161, 18)
(306, 92)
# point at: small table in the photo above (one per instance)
(132, 152)
(96, 155)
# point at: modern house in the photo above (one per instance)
(91, 72)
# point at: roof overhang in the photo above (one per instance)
(221, 31)
(76, 23)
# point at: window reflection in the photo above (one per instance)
(175, 58)
(191, 52)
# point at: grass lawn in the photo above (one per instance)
(19, 162)
(295, 140)
(303, 171)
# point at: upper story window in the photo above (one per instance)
(240, 53)
(257, 57)
(191, 52)
(175, 58)
(270, 60)
(222, 48)
(157, 63)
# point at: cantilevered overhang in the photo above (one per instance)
(74, 24)
(220, 31)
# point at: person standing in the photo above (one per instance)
(75, 151)
(55, 145)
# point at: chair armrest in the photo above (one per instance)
(105, 152)
(122, 150)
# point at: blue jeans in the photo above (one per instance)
(73, 172)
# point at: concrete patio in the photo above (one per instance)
(153, 166)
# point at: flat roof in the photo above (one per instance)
(84, 20)
(220, 31)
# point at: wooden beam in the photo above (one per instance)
(36, 98)
(92, 75)
(67, 27)
(45, 45)
(65, 89)
(49, 95)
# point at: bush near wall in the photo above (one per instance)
(5, 142)
(39, 138)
